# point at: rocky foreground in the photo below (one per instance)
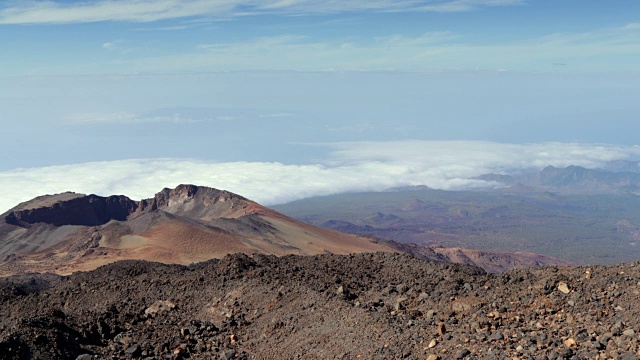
(370, 306)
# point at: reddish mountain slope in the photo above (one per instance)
(70, 232)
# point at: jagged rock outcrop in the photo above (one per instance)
(93, 210)
(90, 210)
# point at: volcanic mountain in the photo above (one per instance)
(68, 232)
(72, 232)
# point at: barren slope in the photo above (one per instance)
(367, 306)
(70, 232)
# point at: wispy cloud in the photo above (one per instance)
(176, 115)
(119, 46)
(359, 166)
(605, 49)
(127, 118)
(466, 5)
(109, 45)
(59, 12)
(276, 115)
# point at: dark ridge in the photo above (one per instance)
(94, 210)
(91, 210)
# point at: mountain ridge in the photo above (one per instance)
(71, 232)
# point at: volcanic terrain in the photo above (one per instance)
(72, 232)
(359, 306)
(276, 288)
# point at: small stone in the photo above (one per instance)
(563, 287)
(570, 342)
(233, 339)
(462, 353)
(629, 332)
(433, 357)
(618, 308)
(441, 329)
(84, 357)
(433, 343)
(460, 306)
(604, 339)
(228, 355)
(123, 339)
(423, 295)
(159, 306)
(430, 314)
(402, 288)
(133, 351)
(399, 303)
(180, 350)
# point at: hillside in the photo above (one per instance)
(73, 232)
(371, 306)
(582, 228)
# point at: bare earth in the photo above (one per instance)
(362, 306)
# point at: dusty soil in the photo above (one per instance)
(370, 306)
(70, 232)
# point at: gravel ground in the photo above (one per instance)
(369, 306)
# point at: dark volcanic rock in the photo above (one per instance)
(244, 307)
(93, 210)
(90, 210)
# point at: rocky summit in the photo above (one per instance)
(368, 306)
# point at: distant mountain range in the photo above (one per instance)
(70, 232)
(615, 178)
(583, 215)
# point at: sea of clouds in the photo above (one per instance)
(349, 167)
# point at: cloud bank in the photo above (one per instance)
(350, 167)
(61, 12)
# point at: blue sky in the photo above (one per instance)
(168, 36)
(289, 82)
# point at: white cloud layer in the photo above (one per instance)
(359, 166)
(60, 12)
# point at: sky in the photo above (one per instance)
(284, 99)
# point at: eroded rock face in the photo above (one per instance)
(90, 210)
(94, 210)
